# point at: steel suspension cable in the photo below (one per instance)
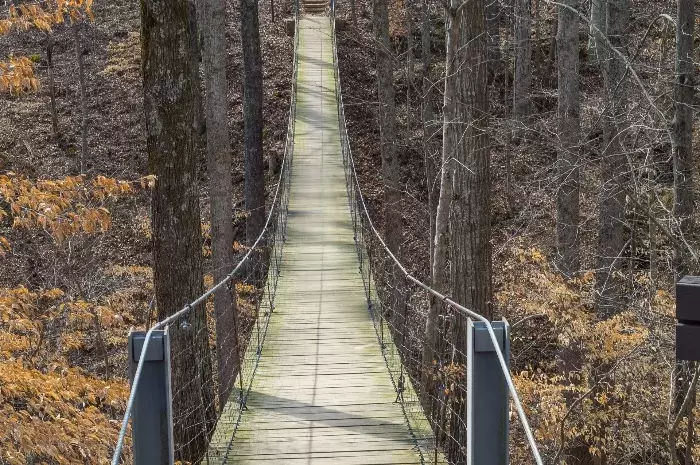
(282, 182)
(456, 306)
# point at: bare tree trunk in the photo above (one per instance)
(568, 167)
(177, 242)
(199, 120)
(523, 55)
(83, 95)
(438, 209)
(387, 125)
(683, 175)
(613, 170)
(493, 19)
(470, 218)
(682, 133)
(441, 245)
(568, 162)
(428, 123)
(391, 170)
(469, 222)
(409, 66)
(219, 166)
(536, 35)
(253, 122)
(651, 212)
(597, 30)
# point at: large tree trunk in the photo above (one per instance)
(387, 125)
(409, 67)
(177, 242)
(683, 175)
(523, 58)
(253, 122)
(470, 219)
(568, 169)
(613, 168)
(390, 164)
(200, 124)
(469, 223)
(219, 166)
(682, 133)
(569, 119)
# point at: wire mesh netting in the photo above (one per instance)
(423, 334)
(212, 371)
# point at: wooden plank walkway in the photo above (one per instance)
(322, 392)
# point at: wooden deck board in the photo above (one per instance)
(321, 392)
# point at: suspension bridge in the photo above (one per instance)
(326, 375)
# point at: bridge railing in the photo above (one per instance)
(208, 375)
(434, 376)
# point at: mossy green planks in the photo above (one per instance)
(322, 392)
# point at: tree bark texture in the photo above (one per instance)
(523, 59)
(219, 166)
(387, 125)
(198, 118)
(177, 242)
(466, 137)
(391, 169)
(430, 127)
(408, 5)
(569, 121)
(493, 23)
(682, 133)
(253, 124)
(467, 165)
(597, 30)
(439, 187)
(613, 169)
(683, 175)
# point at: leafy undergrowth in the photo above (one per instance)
(591, 384)
(51, 410)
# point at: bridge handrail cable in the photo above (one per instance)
(446, 299)
(282, 182)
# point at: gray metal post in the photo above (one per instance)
(487, 395)
(151, 419)
(688, 316)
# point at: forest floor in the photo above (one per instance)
(82, 294)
